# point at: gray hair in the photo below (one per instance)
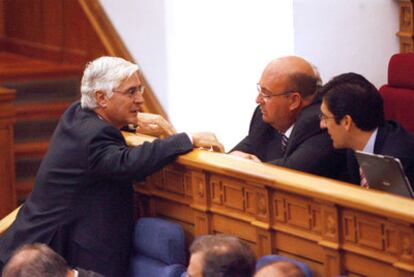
(103, 74)
(35, 260)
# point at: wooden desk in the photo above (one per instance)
(335, 227)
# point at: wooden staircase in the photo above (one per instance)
(44, 45)
(44, 89)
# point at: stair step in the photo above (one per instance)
(27, 167)
(23, 188)
(30, 130)
(46, 90)
(18, 67)
(38, 111)
(30, 149)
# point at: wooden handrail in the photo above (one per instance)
(345, 194)
(8, 220)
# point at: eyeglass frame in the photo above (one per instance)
(132, 91)
(323, 117)
(266, 97)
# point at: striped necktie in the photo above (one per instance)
(283, 142)
(364, 182)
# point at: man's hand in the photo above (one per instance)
(207, 140)
(245, 155)
(154, 125)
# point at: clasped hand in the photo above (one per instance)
(155, 125)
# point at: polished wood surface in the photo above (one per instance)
(7, 178)
(335, 227)
(406, 32)
(7, 221)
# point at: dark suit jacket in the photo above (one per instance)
(81, 204)
(309, 148)
(392, 140)
(87, 273)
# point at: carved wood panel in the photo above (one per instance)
(332, 238)
(406, 32)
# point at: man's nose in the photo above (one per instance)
(322, 124)
(139, 98)
(259, 100)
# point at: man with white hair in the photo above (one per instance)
(81, 204)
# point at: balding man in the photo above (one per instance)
(284, 129)
(38, 260)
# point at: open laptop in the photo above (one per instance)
(384, 173)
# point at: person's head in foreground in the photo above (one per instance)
(279, 269)
(220, 256)
(36, 260)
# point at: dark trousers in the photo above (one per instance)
(1, 267)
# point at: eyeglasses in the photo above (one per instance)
(132, 91)
(324, 117)
(266, 96)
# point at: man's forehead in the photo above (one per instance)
(133, 78)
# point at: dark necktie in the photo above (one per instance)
(283, 143)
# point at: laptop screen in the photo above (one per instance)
(384, 173)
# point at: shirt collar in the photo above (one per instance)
(369, 147)
(289, 131)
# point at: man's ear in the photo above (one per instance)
(101, 99)
(347, 122)
(295, 101)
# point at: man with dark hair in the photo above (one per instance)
(221, 256)
(38, 260)
(284, 129)
(352, 112)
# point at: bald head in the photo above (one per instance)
(290, 65)
(294, 73)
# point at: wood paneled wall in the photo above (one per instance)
(336, 228)
(406, 32)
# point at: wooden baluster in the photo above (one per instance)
(7, 173)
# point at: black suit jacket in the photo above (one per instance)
(87, 273)
(392, 140)
(309, 148)
(81, 204)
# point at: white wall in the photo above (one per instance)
(141, 25)
(347, 35)
(216, 53)
(203, 57)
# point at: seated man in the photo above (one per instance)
(352, 112)
(220, 255)
(38, 260)
(279, 269)
(81, 204)
(285, 129)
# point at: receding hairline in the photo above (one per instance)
(291, 65)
